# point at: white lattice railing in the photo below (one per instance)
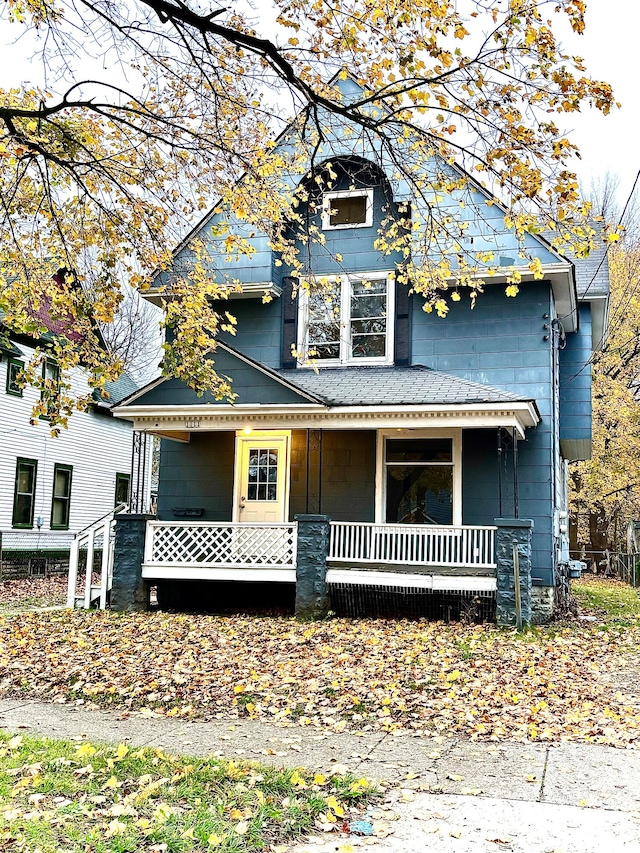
(187, 544)
(412, 545)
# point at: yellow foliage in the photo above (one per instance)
(102, 182)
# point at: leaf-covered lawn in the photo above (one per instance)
(609, 599)
(59, 796)
(339, 674)
(32, 592)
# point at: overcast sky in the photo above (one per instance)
(610, 49)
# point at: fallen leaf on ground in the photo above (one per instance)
(359, 675)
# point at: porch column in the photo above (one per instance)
(129, 591)
(312, 600)
(512, 530)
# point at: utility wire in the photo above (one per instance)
(619, 311)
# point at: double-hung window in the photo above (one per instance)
(61, 498)
(346, 320)
(50, 384)
(24, 495)
(14, 369)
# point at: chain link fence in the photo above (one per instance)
(612, 564)
(26, 554)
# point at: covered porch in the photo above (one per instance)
(407, 467)
(453, 558)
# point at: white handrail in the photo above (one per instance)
(87, 536)
(461, 546)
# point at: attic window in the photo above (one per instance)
(347, 209)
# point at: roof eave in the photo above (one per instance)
(207, 417)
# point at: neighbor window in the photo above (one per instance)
(51, 382)
(419, 481)
(14, 367)
(123, 481)
(347, 209)
(61, 499)
(24, 495)
(345, 320)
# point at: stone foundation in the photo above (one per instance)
(510, 532)
(312, 595)
(542, 604)
(129, 591)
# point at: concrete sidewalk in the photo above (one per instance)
(445, 794)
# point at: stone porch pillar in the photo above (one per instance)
(312, 599)
(512, 530)
(129, 591)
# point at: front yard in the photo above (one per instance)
(75, 797)
(32, 592)
(565, 682)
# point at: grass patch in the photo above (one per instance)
(60, 796)
(611, 600)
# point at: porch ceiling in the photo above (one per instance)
(176, 421)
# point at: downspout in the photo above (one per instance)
(515, 475)
(499, 435)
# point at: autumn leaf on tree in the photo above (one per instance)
(101, 177)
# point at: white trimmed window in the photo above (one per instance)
(61, 498)
(347, 209)
(419, 477)
(346, 319)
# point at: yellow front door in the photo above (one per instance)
(261, 484)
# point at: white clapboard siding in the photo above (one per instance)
(97, 446)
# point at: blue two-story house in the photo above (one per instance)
(411, 432)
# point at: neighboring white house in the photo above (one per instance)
(52, 487)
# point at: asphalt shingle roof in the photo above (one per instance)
(123, 387)
(592, 273)
(393, 386)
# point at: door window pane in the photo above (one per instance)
(263, 475)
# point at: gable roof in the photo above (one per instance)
(124, 386)
(394, 386)
(255, 270)
(229, 361)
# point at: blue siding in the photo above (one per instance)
(223, 267)
(197, 475)
(575, 381)
(501, 342)
(258, 330)
(250, 384)
(354, 245)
